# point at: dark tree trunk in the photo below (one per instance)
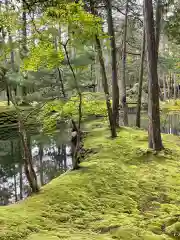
(63, 151)
(138, 113)
(78, 143)
(28, 163)
(8, 96)
(123, 80)
(104, 79)
(20, 171)
(41, 164)
(155, 140)
(115, 87)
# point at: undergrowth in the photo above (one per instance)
(123, 191)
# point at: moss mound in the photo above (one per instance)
(123, 191)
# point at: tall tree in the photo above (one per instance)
(104, 78)
(155, 140)
(138, 113)
(123, 80)
(115, 87)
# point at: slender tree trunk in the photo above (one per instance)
(15, 182)
(168, 86)
(159, 11)
(63, 151)
(123, 81)
(28, 163)
(141, 73)
(104, 79)
(155, 140)
(7, 94)
(20, 171)
(164, 87)
(41, 164)
(175, 95)
(24, 40)
(20, 182)
(115, 87)
(78, 144)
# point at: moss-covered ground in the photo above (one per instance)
(122, 191)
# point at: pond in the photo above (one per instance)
(170, 123)
(50, 154)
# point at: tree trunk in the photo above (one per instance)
(155, 140)
(164, 87)
(15, 182)
(115, 87)
(123, 81)
(175, 95)
(159, 11)
(24, 40)
(78, 143)
(168, 86)
(104, 79)
(28, 163)
(63, 152)
(138, 113)
(41, 164)
(7, 94)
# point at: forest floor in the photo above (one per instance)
(122, 191)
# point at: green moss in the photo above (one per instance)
(122, 191)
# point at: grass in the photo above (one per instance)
(121, 192)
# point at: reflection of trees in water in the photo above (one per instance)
(50, 159)
(170, 123)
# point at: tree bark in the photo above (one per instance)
(104, 79)
(115, 87)
(41, 164)
(138, 113)
(175, 95)
(28, 163)
(155, 140)
(164, 87)
(159, 11)
(123, 81)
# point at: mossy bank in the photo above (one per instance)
(122, 191)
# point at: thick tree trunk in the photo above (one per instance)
(123, 80)
(155, 140)
(138, 113)
(104, 79)
(115, 87)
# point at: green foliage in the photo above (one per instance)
(173, 25)
(93, 104)
(117, 194)
(44, 56)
